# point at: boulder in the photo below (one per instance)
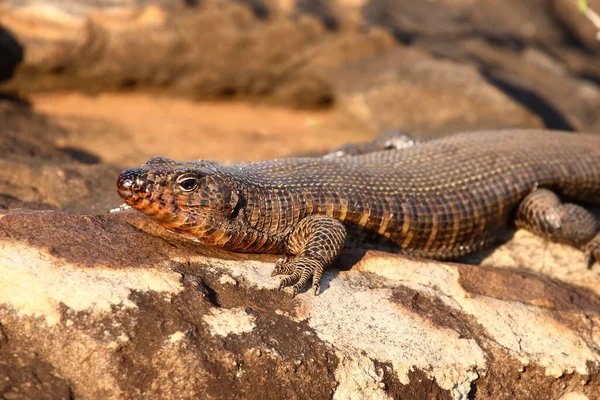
(537, 80)
(508, 21)
(297, 55)
(542, 82)
(113, 306)
(213, 50)
(407, 89)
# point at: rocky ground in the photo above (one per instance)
(108, 305)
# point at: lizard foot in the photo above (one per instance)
(283, 267)
(317, 241)
(592, 250)
(302, 269)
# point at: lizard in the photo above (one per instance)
(440, 199)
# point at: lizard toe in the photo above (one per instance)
(282, 270)
(295, 290)
(283, 266)
(289, 280)
(317, 275)
(304, 278)
(305, 272)
(316, 288)
(282, 261)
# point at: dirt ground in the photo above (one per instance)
(127, 129)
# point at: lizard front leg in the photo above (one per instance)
(315, 243)
(542, 213)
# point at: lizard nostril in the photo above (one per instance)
(125, 182)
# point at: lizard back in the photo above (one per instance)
(439, 199)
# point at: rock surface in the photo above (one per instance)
(36, 173)
(524, 74)
(113, 306)
(211, 51)
(407, 88)
(527, 22)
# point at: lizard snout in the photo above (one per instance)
(130, 184)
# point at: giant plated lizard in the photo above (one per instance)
(440, 199)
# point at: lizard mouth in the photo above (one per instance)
(144, 195)
(131, 187)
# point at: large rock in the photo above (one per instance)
(521, 48)
(214, 50)
(409, 90)
(499, 20)
(113, 306)
(541, 82)
(11, 54)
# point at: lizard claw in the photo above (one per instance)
(295, 290)
(282, 267)
(316, 289)
(276, 271)
(592, 251)
(299, 273)
(282, 261)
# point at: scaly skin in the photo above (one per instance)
(439, 199)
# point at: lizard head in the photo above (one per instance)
(190, 198)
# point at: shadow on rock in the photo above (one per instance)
(35, 172)
(11, 54)
(553, 118)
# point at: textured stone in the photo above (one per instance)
(407, 89)
(295, 53)
(35, 172)
(214, 50)
(537, 80)
(499, 20)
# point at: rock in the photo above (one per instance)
(268, 61)
(11, 54)
(309, 80)
(499, 20)
(215, 50)
(583, 24)
(537, 80)
(407, 89)
(541, 82)
(516, 41)
(580, 63)
(116, 307)
(37, 173)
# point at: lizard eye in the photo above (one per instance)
(188, 184)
